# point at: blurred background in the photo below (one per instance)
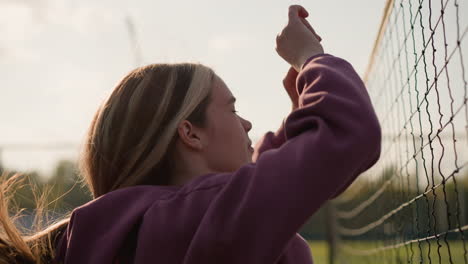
(59, 59)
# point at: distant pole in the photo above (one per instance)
(1, 160)
(332, 233)
(462, 190)
(132, 34)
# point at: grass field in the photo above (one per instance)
(409, 254)
(319, 251)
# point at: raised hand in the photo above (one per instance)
(298, 40)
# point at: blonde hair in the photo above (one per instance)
(130, 142)
(130, 139)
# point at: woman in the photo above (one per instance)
(175, 177)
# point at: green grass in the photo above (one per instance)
(400, 255)
(319, 251)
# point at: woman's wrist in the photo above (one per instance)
(306, 57)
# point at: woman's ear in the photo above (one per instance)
(189, 135)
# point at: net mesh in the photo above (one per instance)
(411, 207)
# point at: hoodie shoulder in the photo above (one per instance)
(106, 221)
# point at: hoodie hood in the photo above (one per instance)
(97, 230)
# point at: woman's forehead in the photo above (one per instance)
(221, 93)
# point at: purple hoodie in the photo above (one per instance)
(251, 215)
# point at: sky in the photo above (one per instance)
(59, 59)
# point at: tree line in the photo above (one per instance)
(442, 208)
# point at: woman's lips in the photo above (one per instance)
(251, 149)
(249, 146)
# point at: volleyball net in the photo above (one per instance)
(412, 206)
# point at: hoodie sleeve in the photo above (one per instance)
(269, 141)
(332, 138)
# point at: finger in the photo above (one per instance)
(296, 11)
(289, 80)
(292, 73)
(303, 13)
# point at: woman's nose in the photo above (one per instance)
(247, 124)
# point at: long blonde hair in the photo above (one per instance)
(130, 142)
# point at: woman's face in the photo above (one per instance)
(228, 145)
